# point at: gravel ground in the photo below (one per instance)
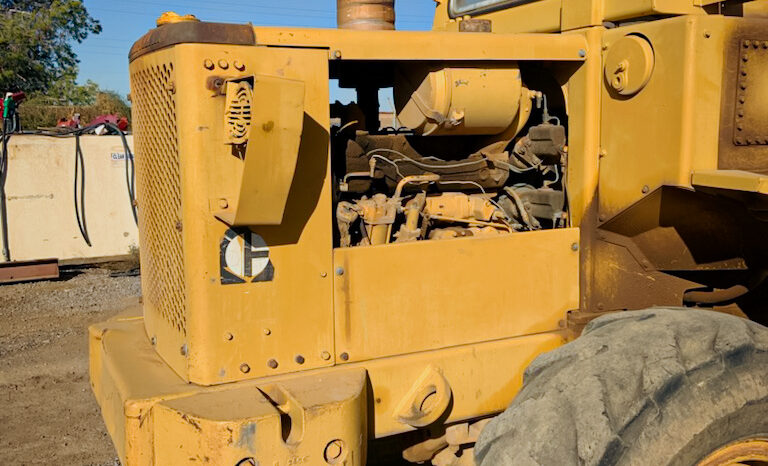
(49, 414)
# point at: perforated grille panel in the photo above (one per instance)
(158, 181)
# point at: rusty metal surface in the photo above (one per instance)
(369, 15)
(476, 25)
(744, 120)
(20, 271)
(192, 32)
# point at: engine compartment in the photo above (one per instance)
(466, 165)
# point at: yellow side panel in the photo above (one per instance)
(410, 297)
(262, 325)
(658, 136)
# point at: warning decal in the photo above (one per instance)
(244, 258)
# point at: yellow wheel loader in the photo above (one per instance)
(552, 253)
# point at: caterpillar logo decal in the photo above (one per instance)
(245, 258)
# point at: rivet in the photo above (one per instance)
(239, 66)
(765, 44)
(575, 247)
(646, 189)
(603, 153)
(605, 47)
(267, 331)
(208, 64)
(742, 99)
(325, 355)
(582, 53)
(344, 356)
(339, 271)
(183, 350)
(299, 359)
(245, 368)
(747, 43)
(272, 364)
(743, 86)
(223, 64)
(601, 218)
(739, 141)
(707, 34)
(228, 336)
(741, 113)
(337, 54)
(223, 203)
(745, 57)
(323, 274)
(755, 44)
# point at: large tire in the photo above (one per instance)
(653, 387)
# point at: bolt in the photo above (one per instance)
(208, 64)
(333, 451)
(740, 127)
(739, 141)
(743, 86)
(646, 189)
(605, 47)
(239, 66)
(745, 58)
(299, 359)
(575, 247)
(323, 274)
(223, 203)
(582, 53)
(344, 356)
(228, 336)
(272, 364)
(601, 218)
(603, 153)
(337, 54)
(707, 34)
(267, 331)
(325, 355)
(339, 271)
(153, 340)
(245, 368)
(184, 349)
(223, 64)
(741, 113)
(747, 43)
(179, 226)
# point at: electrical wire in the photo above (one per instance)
(80, 209)
(6, 137)
(79, 189)
(509, 167)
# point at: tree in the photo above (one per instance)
(36, 38)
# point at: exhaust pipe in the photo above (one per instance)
(366, 15)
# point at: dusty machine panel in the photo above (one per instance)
(446, 293)
(744, 124)
(226, 301)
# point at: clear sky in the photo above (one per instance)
(104, 58)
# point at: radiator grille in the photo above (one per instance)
(158, 194)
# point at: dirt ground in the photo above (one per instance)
(48, 413)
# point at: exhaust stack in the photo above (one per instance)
(366, 14)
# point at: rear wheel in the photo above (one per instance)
(657, 387)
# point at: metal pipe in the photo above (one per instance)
(715, 296)
(367, 15)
